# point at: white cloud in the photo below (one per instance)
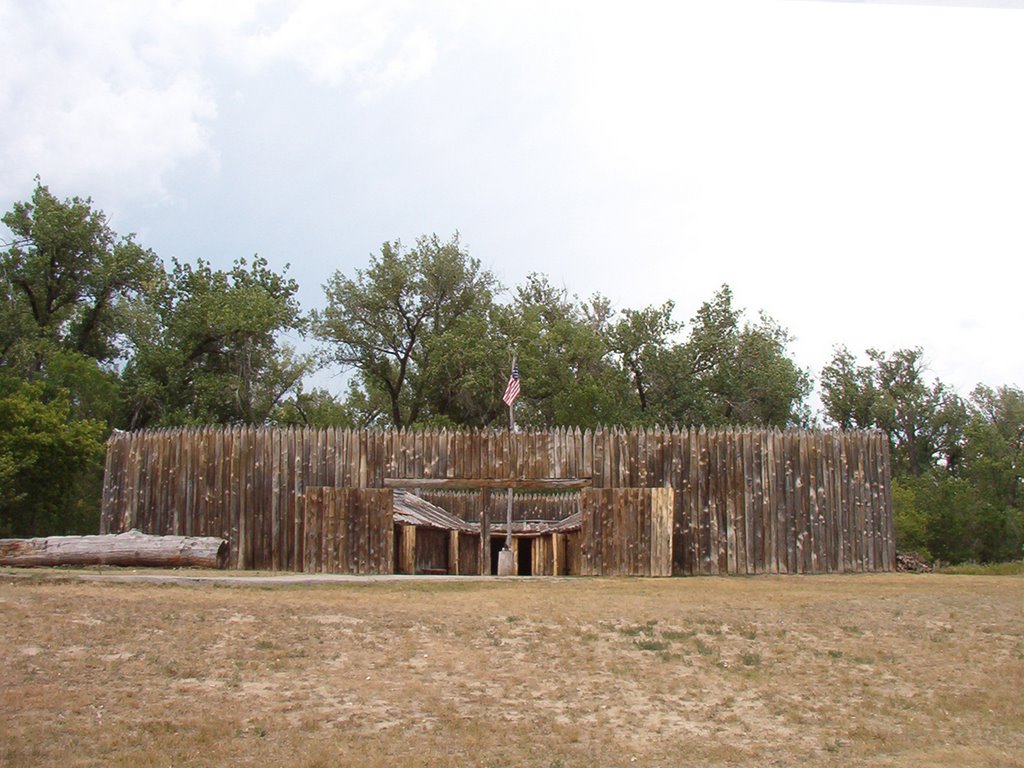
(110, 98)
(362, 41)
(91, 98)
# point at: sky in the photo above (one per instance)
(853, 168)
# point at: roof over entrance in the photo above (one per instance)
(412, 510)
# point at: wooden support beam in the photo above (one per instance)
(485, 532)
(467, 483)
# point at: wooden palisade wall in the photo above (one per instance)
(745, 501)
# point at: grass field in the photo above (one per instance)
(877, 670)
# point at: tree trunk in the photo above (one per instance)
(129, 549)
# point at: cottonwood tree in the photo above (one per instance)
(208, 349)
(914, 413)
(569, 376)
(848, 391)
(393, 320)
(639, 337)
(67, 282)
(71, 274)
(730, 371)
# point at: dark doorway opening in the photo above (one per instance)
(524, 556)
(497, 544)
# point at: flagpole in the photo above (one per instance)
(506, 559)
(511, 431)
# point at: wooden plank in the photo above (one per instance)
(311, 549)
(886, 467)
(800, 462)
(468, 483)
(406, 548)
(728, 476)
(610, 559)
(662, 503)
(484, 563)
(792, 450)
(454, 567)
(818, 503)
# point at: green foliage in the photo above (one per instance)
(731, 371)
(70, 278)
(949, 518)
(956, 464)
(316, 408)
(431, 344)
(910, 410)
(390, 320)
(1011, 568)
(848, 391)
(639, 338)
(207, 349)
(911, 521)
(45, 456)
(95, 334)
(568, 376)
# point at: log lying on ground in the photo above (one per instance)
(130, 549)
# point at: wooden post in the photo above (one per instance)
(485, 532)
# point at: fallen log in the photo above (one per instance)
(133, 548)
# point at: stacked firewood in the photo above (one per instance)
(911, 562)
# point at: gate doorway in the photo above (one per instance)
(524, 556)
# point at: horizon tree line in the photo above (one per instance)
(98, 333)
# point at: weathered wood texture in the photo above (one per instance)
(131, 548)
(349, 530)
(469, 483)
(626, 532)
(525, 506)
(746, 501)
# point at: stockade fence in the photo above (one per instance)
(744, 501)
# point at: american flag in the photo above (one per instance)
(512, 390)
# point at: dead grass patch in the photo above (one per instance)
(857, 670)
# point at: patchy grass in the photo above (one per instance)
(888, 670)
(1015, 568)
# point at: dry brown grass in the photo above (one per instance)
(856, 670)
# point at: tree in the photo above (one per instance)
(731, 371)
(639, 338)
(45, 453)
(912, 412)
(568, 374)
(994, 450)
(848, 391)
(207, 346)
(70, 277)
(391, 320)
(316, 408)
(67, 284)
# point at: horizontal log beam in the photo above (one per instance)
(469, 483)
(127, 549)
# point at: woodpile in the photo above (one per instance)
(911, 562)
(126, 549)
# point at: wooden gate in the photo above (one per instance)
(626, 531)
(348, 530)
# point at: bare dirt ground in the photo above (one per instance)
(880, 670)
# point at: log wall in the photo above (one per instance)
(746, 501)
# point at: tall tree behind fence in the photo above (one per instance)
(745, 501)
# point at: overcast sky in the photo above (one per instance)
(855, 169)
